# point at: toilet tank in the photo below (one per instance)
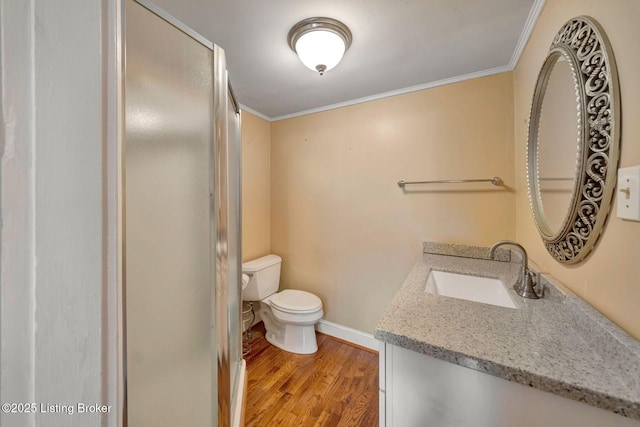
(264, 276)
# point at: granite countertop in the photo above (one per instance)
(558, 343)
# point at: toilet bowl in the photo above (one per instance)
(290, 315)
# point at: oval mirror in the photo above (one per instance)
(572, 150)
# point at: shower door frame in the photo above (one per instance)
(115, 116)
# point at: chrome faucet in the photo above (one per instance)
(525, 285)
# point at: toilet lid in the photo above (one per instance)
(292, 300)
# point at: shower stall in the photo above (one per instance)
(181, 268)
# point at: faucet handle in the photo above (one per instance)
(538, 284)
(527, 289)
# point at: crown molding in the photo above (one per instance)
(255, 113)
(532, 19)
(397, 92)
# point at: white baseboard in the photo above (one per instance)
(348, 334)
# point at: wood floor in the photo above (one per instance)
(337, 386)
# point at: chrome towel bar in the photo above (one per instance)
(495, 181)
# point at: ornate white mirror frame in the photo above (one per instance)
(583, 43)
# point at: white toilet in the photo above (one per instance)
(289, 316)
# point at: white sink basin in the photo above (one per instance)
(471, 288)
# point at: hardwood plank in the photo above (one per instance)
(337, 386)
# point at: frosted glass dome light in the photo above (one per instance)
(320, 42)
(320, 50)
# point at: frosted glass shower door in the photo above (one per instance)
(169, 284)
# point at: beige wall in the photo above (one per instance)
(256, 196)
(609, 279)
(346, 231)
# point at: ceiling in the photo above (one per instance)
(398, 46)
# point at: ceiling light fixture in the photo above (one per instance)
(320, 42)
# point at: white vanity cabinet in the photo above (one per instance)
(420, 391)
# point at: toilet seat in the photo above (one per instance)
(295, 301)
